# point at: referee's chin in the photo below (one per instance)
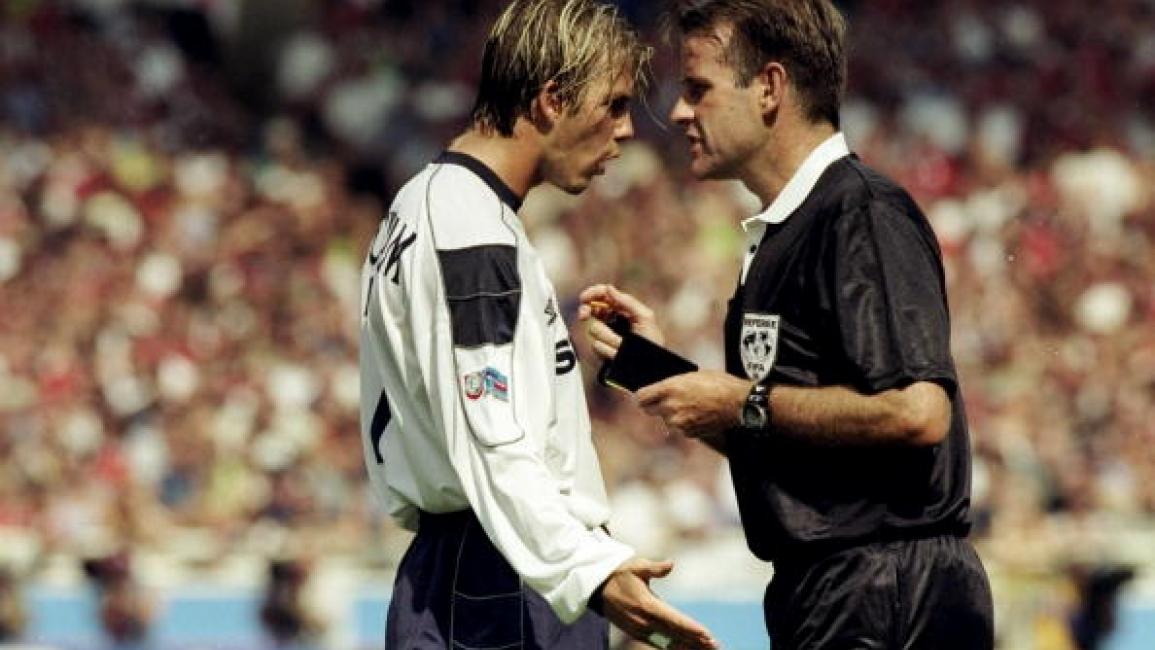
(710, 172)
(704, 170)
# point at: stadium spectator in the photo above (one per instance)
(285, 613)
(125, 612)
(13, 613)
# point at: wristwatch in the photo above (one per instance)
(756, 410)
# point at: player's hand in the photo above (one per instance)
(599, 303)
(701, 404)
(629, 604)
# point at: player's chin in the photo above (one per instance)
(576, 185)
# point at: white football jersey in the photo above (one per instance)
(471, 394)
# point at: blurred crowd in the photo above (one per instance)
(186, 191)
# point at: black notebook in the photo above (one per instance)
(641, 362)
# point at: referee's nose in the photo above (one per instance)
(681, 114)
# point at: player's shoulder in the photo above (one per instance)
(464, 208)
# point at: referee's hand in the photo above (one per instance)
(629, 604)
(702, 404)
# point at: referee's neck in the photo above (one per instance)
(769, 170)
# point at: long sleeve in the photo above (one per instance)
(489, 375)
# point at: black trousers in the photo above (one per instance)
(455, 591)
(927, 594)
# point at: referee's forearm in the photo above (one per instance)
(839, 416)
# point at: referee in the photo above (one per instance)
(474, 422)
(840, 411)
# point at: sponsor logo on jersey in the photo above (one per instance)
(486, 382)
(759, 344)
(474, 385)
(551, 310)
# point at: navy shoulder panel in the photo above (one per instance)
(483, 289)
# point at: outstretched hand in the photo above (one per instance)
(629, 604)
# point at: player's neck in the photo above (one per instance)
(513, 159)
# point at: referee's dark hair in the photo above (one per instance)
(806, 36)
(576, 43)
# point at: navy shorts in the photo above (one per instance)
(455, 591)
(926, 594)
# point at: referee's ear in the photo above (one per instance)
(773, 83)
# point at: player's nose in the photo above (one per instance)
(624, 130)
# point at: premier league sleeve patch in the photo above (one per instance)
(759, 344)
(489, 381)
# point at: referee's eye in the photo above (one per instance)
(693, 90)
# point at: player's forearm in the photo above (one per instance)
(918, 415)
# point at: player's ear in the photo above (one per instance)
(547, 107)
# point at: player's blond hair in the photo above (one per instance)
(576, 43)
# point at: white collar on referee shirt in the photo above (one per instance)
(802, 182)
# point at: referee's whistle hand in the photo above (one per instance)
(629, 604)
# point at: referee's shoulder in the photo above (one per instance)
(858, 189)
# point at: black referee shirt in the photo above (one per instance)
(849, 290)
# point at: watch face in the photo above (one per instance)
(753, 416)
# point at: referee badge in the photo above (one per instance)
(759, 345)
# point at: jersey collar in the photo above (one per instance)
(503, 191)
(803, 181)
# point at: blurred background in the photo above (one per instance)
(187, 188)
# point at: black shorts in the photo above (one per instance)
(455, 591)
(927, 594)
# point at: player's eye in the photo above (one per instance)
(619, 107)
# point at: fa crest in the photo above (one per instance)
(759, 343)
